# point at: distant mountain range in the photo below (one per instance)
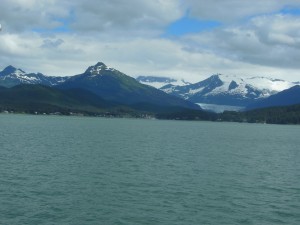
(104, 91)
(12, 76)
(106, 83)
(111, 87)
(228, 92)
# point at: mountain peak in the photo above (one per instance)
(100, 64)
(216, 79)
(97, 69)
(10, 69)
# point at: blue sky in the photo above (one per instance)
(189, 39)
(187, 25)
(291, 11)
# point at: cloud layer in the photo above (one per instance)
(64, 37)
(235, 10)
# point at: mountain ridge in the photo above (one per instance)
(12, 76)
(229, 90)
(108, 83)
(113, 85)
(286, 97)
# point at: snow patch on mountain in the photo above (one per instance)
(229, 90)
(159, 82)
(12, 76)
(98, 69)
(269, 83)
(194, 91)
(265, 86)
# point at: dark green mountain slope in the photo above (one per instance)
(290, 96)
(31, 98)
(40, 98)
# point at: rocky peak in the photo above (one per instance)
(97, 69)
(10, 69)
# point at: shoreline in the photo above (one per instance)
(119, 116)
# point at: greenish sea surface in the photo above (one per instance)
(80, 170)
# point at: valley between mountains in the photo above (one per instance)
(104, 91)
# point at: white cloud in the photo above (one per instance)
(234, 10)
(271, 41)
(136, 57)
(126, 35)
(48, 43)
(25, 15)
(283, 30)
(125, 17)
(114, 18)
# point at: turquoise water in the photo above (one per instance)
(72, 170)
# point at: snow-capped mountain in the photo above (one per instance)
(229, 90)
(98, 69)
(12, 76)
(159, 82)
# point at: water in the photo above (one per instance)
(71, 170)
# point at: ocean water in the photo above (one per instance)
(79, 170)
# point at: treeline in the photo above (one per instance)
(188, 114)
(274, 115)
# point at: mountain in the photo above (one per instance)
(229, 90)
(12, 76)
(290, 96)
(113, 85)
(159, 82)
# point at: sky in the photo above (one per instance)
(189, 39)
